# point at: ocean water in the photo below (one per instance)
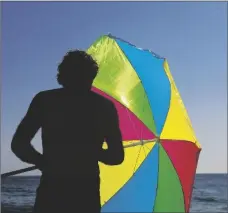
(209, 194)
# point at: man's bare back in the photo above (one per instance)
(74, 123)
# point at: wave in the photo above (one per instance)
(205, 199)
(16, 209)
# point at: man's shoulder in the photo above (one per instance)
(49, 93)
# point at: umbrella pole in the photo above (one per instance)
(31, 168)
(19, 171)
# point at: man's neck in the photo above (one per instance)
(78, 91)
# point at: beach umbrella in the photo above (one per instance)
(161, 149)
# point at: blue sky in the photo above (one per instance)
(191, 35)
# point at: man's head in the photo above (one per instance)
(77, 70)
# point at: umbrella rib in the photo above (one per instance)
(141, 142)
(137, 160)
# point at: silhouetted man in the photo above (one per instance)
(75, 122)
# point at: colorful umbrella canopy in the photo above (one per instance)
(161, 149)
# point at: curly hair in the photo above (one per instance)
(77, 66)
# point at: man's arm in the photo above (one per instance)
(114, 155)
(26, 130)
